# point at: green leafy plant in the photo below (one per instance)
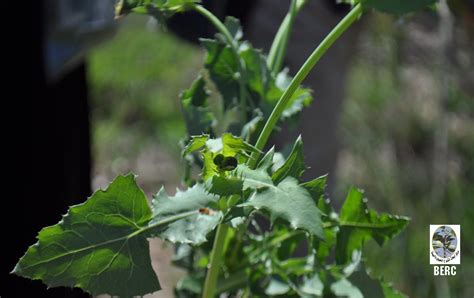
(217, 222)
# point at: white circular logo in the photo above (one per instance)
(444, 242)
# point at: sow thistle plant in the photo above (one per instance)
(217, 223)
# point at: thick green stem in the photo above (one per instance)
(221, 28)
(221, 233)
(343, 25)
(215, 262)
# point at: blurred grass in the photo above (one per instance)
(135, 82)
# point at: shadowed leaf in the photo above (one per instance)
(90, 247)
(358, 224)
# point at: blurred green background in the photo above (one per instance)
(408, 134)
(407, 130)
(135, 81)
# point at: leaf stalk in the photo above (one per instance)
(309, 64)
(215, 262)
(280, 42)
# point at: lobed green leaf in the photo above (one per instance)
(294, 164)
(101, 245)
(192, 229)
(91, 247)
(286, 200)
(358, 224)
(195, 144)
(224, 186)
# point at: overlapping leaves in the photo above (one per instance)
(100, 246)
(227, 146)
(280, 194)
(286, 200)
(262, 89)
(277, 271)
(238, 71)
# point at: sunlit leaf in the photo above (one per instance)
(294, 164)
(316, 187)
(228, 146)
(195, 144)
(343, 288)
(224, 186)
(193, 229)
(267, 160)
(286, 200)
(276, 287)
(313, 286)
